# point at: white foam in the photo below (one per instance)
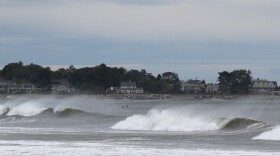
(273, 134)
(168, 120)
(55, 148)
(3, 109)
(27, 109)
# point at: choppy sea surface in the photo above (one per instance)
(84, 125)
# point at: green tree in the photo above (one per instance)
(28, 74)
(92, 79)
(237, 81)
(144, 80)
(241, 81)
(158, 77)
(96, 79)
(170, 82)
(13, 71)
(170, 77)
(224, 80)
(60, 73)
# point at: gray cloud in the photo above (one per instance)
(196, 38)
(150, 22)
(121, 2)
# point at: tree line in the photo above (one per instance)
(91, 79)
(235, 82)
(97, 79)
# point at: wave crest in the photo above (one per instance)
(28, 110)
(168, 120)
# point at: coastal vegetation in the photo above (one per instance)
(32, 73)
(97, 79)
(91, 79)
(237, 81)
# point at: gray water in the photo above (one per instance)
(85, 125)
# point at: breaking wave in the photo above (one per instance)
(168, 120)
(47, 106)
(240, 123)
(28, 110)
(273, 134)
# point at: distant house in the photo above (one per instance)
(5, 84)
(125, 88)
(130, 87)
(8, 86)
(193, 87)
(113, 90)
(212, 89)
(264, 85)
(62, 87)
(23, 88)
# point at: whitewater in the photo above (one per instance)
(87, 125)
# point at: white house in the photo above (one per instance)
(23, 88)
(130, 87)
(4, 84)
(8, 86)
(125, 88)
(193, 86)
(62, 88)
(262, 84)
(113, 90)
(212, 89)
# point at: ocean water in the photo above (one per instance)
(85, 125)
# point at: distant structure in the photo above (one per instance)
(62, 86)
(263, 85)
(125, 88)
(193, 87)
(212, 89)
(7, 86)
(130, 87)
(23, 88)
(113, 90)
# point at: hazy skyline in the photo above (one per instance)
(195, 38)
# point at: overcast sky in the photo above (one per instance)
(195, 38)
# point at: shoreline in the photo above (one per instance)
(151, 96)
(186, 96)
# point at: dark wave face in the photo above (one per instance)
(70, 111)
(241, 123)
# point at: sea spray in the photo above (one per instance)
(27, 109)
(168, 120)
(26, 106)
(4, 109)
